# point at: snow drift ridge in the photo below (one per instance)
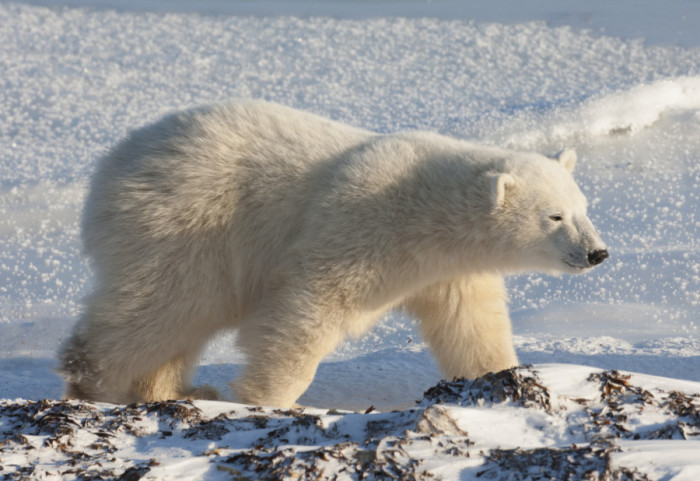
(620, 113)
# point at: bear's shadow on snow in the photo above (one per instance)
(29, 378)
(386, 379)
(377, 379)
(391, 379)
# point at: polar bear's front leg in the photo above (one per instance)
(283, 347)
(466, 324)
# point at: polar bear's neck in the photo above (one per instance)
(416, 208)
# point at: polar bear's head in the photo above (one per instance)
(542, 215)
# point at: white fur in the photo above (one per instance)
(299, 231)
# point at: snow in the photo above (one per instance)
(619, 82)
(573, 422)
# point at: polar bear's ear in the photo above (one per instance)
(567, 158)
(499, 185)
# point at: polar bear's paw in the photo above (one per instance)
(206, 392)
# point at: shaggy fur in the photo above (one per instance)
(299, 231)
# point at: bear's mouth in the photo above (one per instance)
(577, 267)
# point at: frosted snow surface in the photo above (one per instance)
(622, 90)
(557, 422)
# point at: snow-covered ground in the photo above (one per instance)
(559, 422)
(617, 81)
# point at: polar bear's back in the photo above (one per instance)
(196, 195)
(206, 155)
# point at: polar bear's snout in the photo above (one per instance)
(594, 249)
(597, 256)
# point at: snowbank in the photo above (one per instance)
(565, 422)
(624, 112)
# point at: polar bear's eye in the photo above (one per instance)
(555, 218)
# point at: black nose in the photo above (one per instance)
(597, 256)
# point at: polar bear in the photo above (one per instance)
(299, 231)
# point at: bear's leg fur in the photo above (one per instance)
(171, 381)
(78, 368)
(123, 352)
(466, 324)
(283, 347)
